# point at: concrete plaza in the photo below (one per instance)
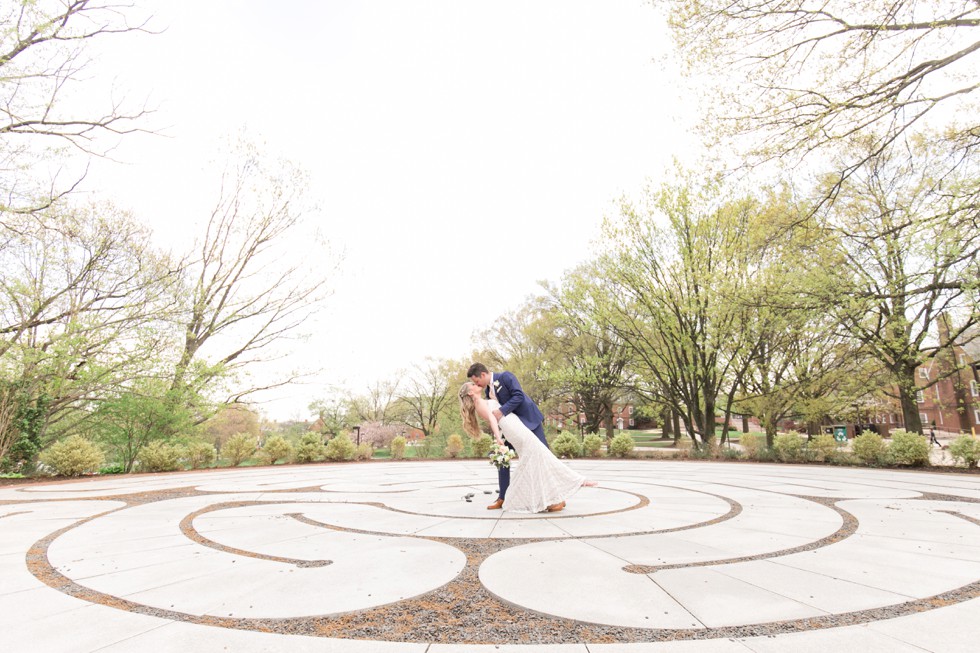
(663, 556)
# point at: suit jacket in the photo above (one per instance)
(513, 400)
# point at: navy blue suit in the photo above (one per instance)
(513, 400)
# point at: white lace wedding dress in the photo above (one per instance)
(537, 479)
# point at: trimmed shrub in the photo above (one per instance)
(753, 444)
(275, 449)
(398, 447)
(592, 445)
(114, 468)
(566, 445)
(364, 451)
(822, 447)
(965, 450)
(340, 448)
(482, 446)
(200, 454)
(870, 448)
(702, 452)
(239, 448)
(788, 447)
(73, 456)
(729, 453)
(454, 445)
(621, 445)
(908, 449)
(310, 449)
(159, 456)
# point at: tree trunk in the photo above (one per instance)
(666, 418)
(770, 432)
(907, 391)
(608, 416)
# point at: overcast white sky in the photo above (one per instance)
(435, 133)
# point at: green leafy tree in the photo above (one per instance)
(229, 421)
(589, 358)
(130, 420)
(910, 246)
(87, 299)
(675, 266)
(332, 416)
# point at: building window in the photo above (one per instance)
(923, 418)
(631, 422)
(976, 416)
(631, 409)
(892, 418)
(923, 372)
(920, 396)
(974, 390)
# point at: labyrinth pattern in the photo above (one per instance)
(403, 556)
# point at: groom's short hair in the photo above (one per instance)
(476, 369)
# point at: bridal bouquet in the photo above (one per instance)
(501, 455)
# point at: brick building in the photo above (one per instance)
(567, 417)
(949, 394)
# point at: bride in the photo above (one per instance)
(540, 482)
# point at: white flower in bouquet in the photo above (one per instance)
(501, 455)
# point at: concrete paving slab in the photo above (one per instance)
(658, 549)
(852, 638)
(193, 638)
(84, 628)
(717, 600)
(900, 572)
(830, 595)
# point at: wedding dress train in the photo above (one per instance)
(539, 479)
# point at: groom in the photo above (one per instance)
(504, 387)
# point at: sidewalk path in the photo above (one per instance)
(664, 556)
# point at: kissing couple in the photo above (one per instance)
(541, 482)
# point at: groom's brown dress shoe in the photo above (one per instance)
(496, 505)
(556, 507)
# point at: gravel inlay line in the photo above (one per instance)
(191, 533)
(968, 518)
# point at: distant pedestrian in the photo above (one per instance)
(932, 436)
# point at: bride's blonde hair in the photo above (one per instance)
(467, 410)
